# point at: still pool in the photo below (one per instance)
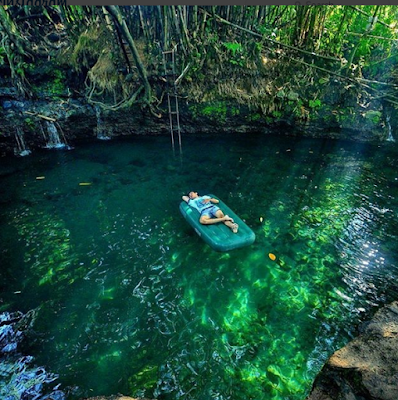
(111, 291)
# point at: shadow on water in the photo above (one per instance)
(129, 299)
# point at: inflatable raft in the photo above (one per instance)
(218, 236)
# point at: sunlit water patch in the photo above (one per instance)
(127, 298)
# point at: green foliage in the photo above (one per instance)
(30, 123)
(277, 114)
(324, 80)
(58, 85)
(210, 45)
(314, 104)
(217, 111)
(236, 52)
(269, 120)
(55, 84)
(2, 55)
(281, 94)
(233, 47)
(298, 109)
(21, 67)
(254, 117)
(374, 116)
(47, 15)
(234, 111)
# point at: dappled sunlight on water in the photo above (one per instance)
(129, 299)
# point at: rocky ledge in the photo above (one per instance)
(27, 125)
(367, 368)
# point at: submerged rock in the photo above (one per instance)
(367, 368)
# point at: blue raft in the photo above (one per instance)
(219, 236)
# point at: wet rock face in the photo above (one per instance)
(367, 368)
(23, 122)
(27, 119)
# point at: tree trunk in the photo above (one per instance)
(143, 24)
(116, 14)
(368, 29)
(184, 26)
(195, 22)
(10, 29)
(16, 53)
(227, 13)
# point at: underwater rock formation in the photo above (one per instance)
(367, 367)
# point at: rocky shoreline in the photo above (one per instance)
(25, 123)
(367, 367)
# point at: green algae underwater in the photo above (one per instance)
(128, 299)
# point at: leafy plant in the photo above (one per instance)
(236, 49)
(30, 123)
(277, 114)
(315, 103)
(233, 47)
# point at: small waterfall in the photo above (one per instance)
(390, 136)
(101, 133)
(54, 140)
(21, 150)
(43, 133)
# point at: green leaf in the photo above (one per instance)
(234, 47)
(314, 103)
(322, 81)
(47, 15)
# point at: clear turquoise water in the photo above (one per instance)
(128, 299)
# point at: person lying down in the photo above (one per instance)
(209, 212)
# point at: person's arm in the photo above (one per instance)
(185, 198)
(211, 200)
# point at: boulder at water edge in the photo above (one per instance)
(367, 368)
